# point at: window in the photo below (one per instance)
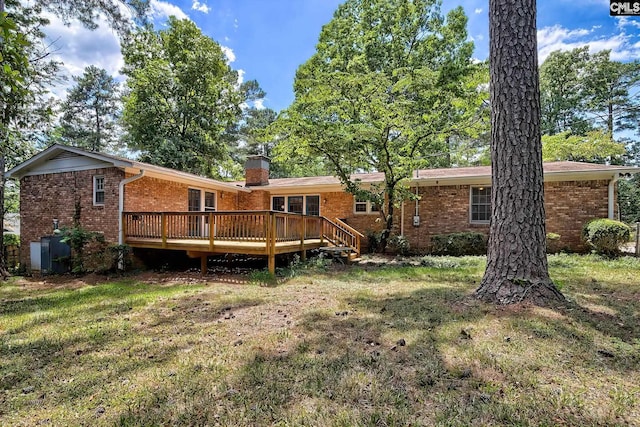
(362, 206)
(313, 205)
(277, 204)
(480, 204)
(295, 204)
(209, 201)
(98, 190)
(310, 205)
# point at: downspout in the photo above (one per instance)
(402, 219)
(121, 202)
(612, 186)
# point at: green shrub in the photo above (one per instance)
(458, 244)
(398, 244)
(11, 239)
(606, 235)
(373, 240)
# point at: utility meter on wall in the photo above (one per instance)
(416, 221)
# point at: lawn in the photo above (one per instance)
(344, 346)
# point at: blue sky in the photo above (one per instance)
(267, 40)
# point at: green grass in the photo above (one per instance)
(324, 348)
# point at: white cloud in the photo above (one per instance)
(162, 10)
(228, 52)
(259, 104)
(200, 7)
(559, 38)
(241, 74)
(625, 21)
(76, 47)
(478, 11)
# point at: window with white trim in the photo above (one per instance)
(362, 206)
(98, 190)
(309, 205)
(480, 205)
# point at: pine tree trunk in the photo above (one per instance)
(516, 259)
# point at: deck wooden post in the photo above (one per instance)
(303, 254)
(203, 265)
(163, 229)
(271, 244)
(211, 229)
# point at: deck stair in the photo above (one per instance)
(339, 234)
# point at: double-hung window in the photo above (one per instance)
(480, 209)
(98, 190)
(362, 206)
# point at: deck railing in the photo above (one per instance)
(248, 226)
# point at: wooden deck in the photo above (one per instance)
(266, 233)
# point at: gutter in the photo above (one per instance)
(612, 186)
(121, 203)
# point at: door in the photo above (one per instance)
(194, 222)
(209, 206)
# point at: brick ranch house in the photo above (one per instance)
(154, 207)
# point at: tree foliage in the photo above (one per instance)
(582, 92)
(629, 199)
(382, 93)
(594, 147)
(121, 15)
(182, 97)
(91, 111)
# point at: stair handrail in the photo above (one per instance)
(349, 231)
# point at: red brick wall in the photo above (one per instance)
(257, 200)
(256, 177)
(44, 197)
(568, 205)
(155, 195)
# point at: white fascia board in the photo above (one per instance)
(184, 178)
(28, 167)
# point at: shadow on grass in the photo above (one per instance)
(101, 344)
(380, 362)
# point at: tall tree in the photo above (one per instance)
(611, 92)
(516, 260)
(380, 94)
(91, 111)
(562, 92)
(582, 91)
(182, 97)
(25, 72)
(120, 14)
(25, 67)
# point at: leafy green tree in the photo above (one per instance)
(629, 199)
(517, 267)
(582, 91)
(118, 13)
(595, 147)
(91, 111)
(562, 92)
(611, 92)
(381, 93)
(182, 97)
(25, 72)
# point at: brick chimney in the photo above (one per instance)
(256, 171)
